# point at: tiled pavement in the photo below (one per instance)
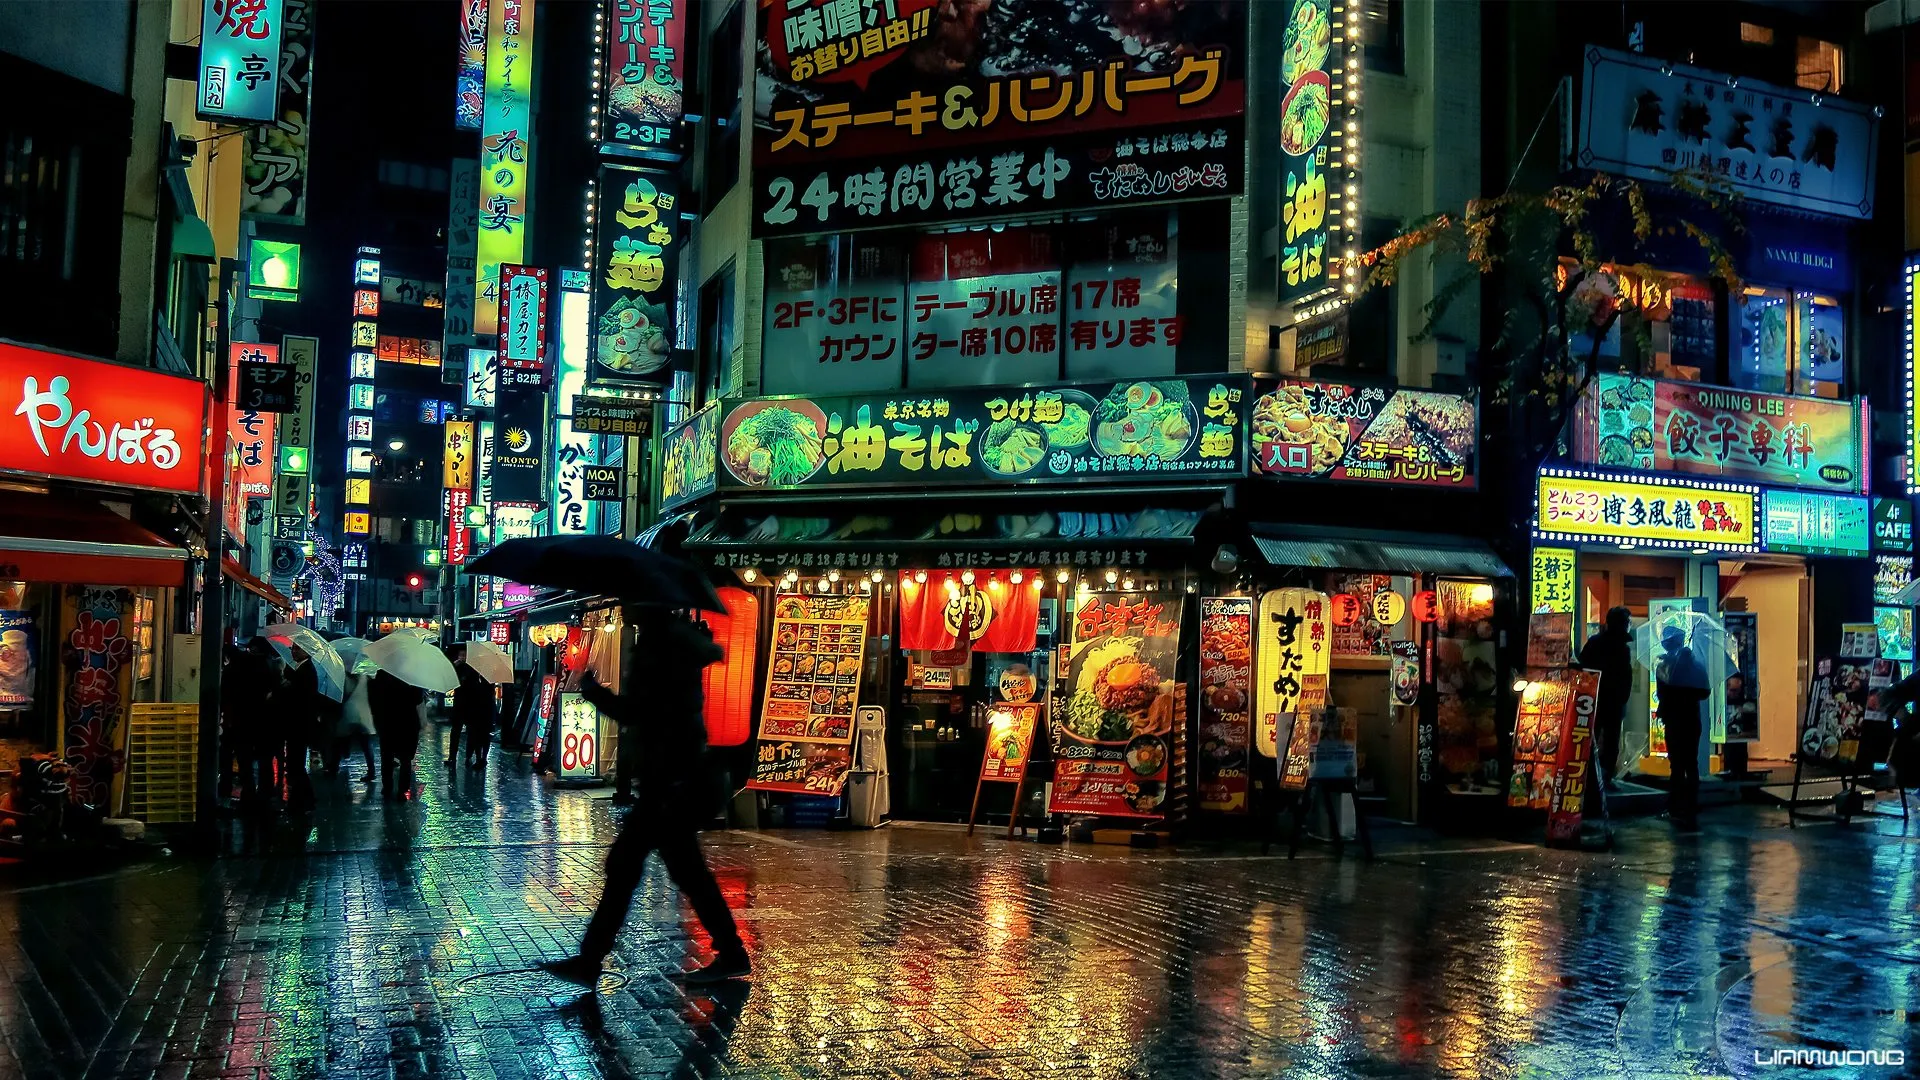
(395, 941)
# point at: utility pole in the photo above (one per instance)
(212, 598)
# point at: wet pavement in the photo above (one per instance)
(399, 943)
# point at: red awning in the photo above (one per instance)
(78, 542)
(238, 574)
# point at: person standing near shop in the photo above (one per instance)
(677, 790)
(396, 721)
(296, 716)
(1610, 652)
(245, 685)
(1681, 681)
(472, 713)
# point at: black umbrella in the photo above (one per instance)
(601, 564)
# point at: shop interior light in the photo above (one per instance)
(833, 575)
(919, 577)
(1520, 685)
(878, 576)
(1127, 584)
(1063, 576)
(1016, 577)
(966, 577)
(1113, 576)
(749, 575)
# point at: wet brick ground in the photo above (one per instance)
(395, 941)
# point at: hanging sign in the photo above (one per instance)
(637, 246)
(239, 60)
(506, 152)
(1114, 734)
(642, 103)
(1553, 580)
(596, 415)
(92, 420)
(603, 483)
(1293, 642)
(523, 326)
(1333, 431)
(266, 387)
(690, 459)
(274, 155)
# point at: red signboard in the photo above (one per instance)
(92, 420)
(523, 324)
(457, 535)
(1009, 741)
(549, 690)
(1115, 717)
(1571, 775)
(500, 633)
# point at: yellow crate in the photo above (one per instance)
(163, 745)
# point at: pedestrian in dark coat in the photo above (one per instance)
(246, 684)
(677, 790)
(472, 714)
(1681, 681)
(396, 721)
(1610, 652)
(296, 712)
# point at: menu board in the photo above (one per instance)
(1837, 707)
(1148, 430)
(1742, 688)
(813, 676)
(1540, 737)
(579, 737)
(1009, 741)
(1338, 432)
(1297, 766)
(1571, 775)
(1113, 736)
(1226, 702)
(802, 768)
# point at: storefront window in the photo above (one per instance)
(1668, 329)
(1094, 298)
(1790, 343)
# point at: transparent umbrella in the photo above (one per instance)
(350, 650)
(330, 671)
(490, 660)
(1701, 634)
(413, 660)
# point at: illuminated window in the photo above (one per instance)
(1790, 343)
(359, 491)
(1755, 34)
(1818, 65)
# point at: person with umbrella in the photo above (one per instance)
(396, 722)
(1610, 652)
(472, 713)
(296, 711)
(1681, 680)
(678, 791)
(246, 684)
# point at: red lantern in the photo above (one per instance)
(574, 657)
(1426, 606)
(1346, 609)
(728, 685)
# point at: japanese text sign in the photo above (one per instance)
(1555, 583)
(1638, 423)
(1009, 741)
(523, 321)
(1159, 430)
(506, 150)
(642, 74)
(471, 76)
(458, 536)
(612, 416)
(603, 483)
(266, 386)
(689, 459)
(274, 155)
(1226, 702)
(519, 449)
(1645, 117)
(850, 78)
(303, 357)
(1575, 507)
(1333, 431)
(1310, 110)
(457, 459)
(91, 420)
(239, 60)
(1113, 737)
(637, 252)
(1811, 523)
(1295, 641)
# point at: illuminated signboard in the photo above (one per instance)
(92, 420)
(274, 156)
(1667, 426)
(523, 326)
(637, 248)
(1318, 212)
(1573, 507)
(579, 737)
(273, 270)
(482, 378)
(358, 522)
(359, 491)
(1555, 585)
(458, 499)
(470, 76)
(689, 457)
(239, 60)
(360, 365)
(574, 451)
(642, 89)
(1907, 376)
(1423, 438)
(457, 461)
(1893, 526)
(506, 148)
(1811, 523)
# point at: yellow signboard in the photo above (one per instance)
(1575, 506)
(457, 470)
(1553, 580)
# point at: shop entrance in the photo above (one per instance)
(1778, 592)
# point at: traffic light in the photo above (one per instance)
(416, 580)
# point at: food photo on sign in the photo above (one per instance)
(1115, 729)
(1339, 432)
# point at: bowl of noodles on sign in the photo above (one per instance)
(629, 341)
(774, 444)
(1119, 695)
(1145, 419)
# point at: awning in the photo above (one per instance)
(1384, 552)
(1034, 537)
(238, 574)
(77, 542)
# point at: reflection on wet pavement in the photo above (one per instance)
(400, 940)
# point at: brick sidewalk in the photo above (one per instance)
(395, 941)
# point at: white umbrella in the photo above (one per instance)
(490, 660)
(329, 671)
(412, 660)
(350, 650)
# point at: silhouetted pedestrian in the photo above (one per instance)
(296, 716)
(355, 726)
(677, 792)
(396, 720)
(1610, 652)
(472, 714)
(1681, 681)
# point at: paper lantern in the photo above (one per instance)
(575, 654)
(1345, 608)
(1293, 643)
(728, 685)
(1426, 606)
(1389, 607)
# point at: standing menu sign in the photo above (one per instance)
(1742, 688)
(1839, 706)
(813, 679)
(1226, 702)
(1552, 746)
(1571, 775)
(1115, 716)
(579, 737)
